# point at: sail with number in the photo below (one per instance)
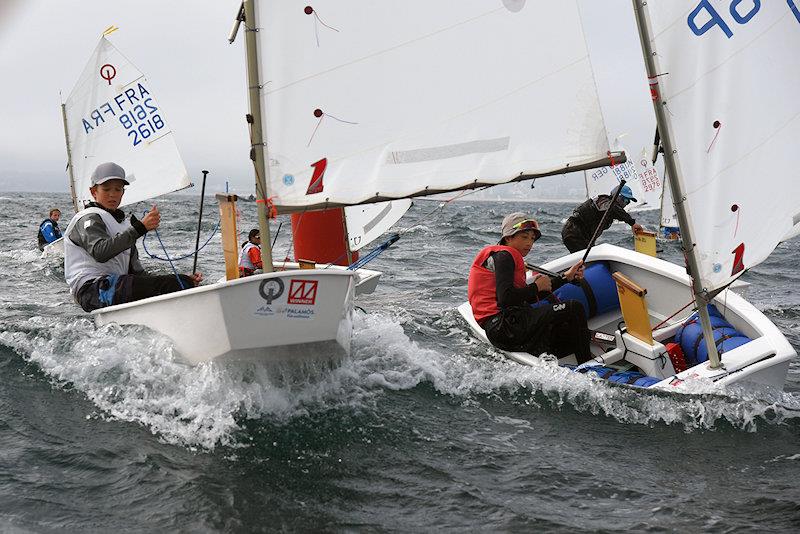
(365, 102)
(728, 74)
(638, 173)
(112, 115)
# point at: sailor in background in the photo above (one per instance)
(582, 224)
(505, 306)
(49, 230)
(101, 263)
(250, 259)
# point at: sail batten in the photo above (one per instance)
(366, 102)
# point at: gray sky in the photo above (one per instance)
(199, 79)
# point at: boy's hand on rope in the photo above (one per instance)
(151, 219)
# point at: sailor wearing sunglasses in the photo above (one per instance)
(501, 300)
(582, 224)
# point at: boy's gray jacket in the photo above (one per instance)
(97, 244)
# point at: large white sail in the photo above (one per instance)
(112, 115)
(729, 76)
(381, 100)
(367, 222)
(638, 173)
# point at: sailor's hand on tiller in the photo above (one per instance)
(543, 283)
(575, 272)
(196, 278)
(151, 219)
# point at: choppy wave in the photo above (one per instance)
(131, 374)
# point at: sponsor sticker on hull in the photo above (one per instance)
(302, 292)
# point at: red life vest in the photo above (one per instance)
(482, 286)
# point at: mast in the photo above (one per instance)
(258, 147)
(673, 174)
(69, 159)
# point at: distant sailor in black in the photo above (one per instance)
(48, 229)
(580, 227)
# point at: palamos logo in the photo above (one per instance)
(302, 292)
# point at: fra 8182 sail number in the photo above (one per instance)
(142, 121)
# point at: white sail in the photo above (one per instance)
(366, 101)
(112, 115)
(669, 218)
(367, 222)
(638, 173)
(729, 77)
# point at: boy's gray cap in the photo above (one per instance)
(108, 171)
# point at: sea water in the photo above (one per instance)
(423, 428)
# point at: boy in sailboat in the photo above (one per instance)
(250, 258)
(582, 224)
(48, 229)
(101, 263)
(502, 301)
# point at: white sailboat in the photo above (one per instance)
(112, 115)
(54, 249)
(716, 148)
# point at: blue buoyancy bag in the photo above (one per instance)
(597, 292)
(600, 370)
(690, 336)
(633, 378)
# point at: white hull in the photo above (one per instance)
(764, 360)
(54, 249)
(366, 279)
(283, 316)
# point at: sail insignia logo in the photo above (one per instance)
(108, 72)
(271, 289)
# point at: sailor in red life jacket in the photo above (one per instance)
(250, 259)
(501, 300)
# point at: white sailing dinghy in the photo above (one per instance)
(716, 150)
(112, 115)
(54, 249)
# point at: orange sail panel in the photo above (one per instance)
(320, 236)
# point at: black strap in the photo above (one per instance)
(587, 290)
(634, 377)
